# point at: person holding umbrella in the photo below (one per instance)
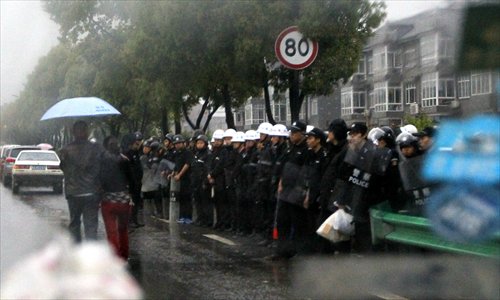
(80, 162)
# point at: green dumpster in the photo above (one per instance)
(388, 226)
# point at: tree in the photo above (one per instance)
(341, 28)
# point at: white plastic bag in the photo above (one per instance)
(338, 227)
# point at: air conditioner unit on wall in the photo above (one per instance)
(413, 108)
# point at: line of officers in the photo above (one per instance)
(281, 183)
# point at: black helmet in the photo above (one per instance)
(388, 136)
(406, 140)
(154, 145)
(138, 136)
(169, 136)
(202, 137)
(178, 138)
(197, 133)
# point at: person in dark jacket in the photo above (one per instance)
(216, 178)
(361, 177)
(131, 147)
(151, 192)
(183, 159)
(115, 176)
(248, 175)
(314, 168)
(291, 213)
(200, 187)
(80, 162)
(336, 143)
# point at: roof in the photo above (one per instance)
(410, 28)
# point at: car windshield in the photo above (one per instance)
(38, 156)
(15, 152)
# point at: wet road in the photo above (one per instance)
(170, 261)
(177, 261)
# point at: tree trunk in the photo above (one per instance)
(267, 102)
(294, 91)
(227, 107)
(177, 121)
(209, 117)
(164, 120)
(185, 113)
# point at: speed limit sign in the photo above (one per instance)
(293, 50)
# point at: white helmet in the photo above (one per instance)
(239, 136)
(309, 128)
(264, 128)
(375, 134)
(279, 130)
(411, 129)
(218, 134)
(251, 135)
(229, 133)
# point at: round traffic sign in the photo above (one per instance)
(295, 51)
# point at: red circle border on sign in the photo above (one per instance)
(280, 57)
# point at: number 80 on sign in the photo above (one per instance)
(295, 51)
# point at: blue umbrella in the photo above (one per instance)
(80, 107)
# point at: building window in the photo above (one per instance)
(387, 98)
(446, 49)
(429, 89)
(446, 88)
(358, 102)
(258, 113)
(314, 107)
(361, 67)
(463, 88)
(346, 101)
(379, 95)
(380, 59)
(369, 65)
(480, 83)
(352, 102)
(428, 49)
(279, 112)
(248, 114)
(410, 93)
(410, 58)
(394, 101)
(394, 60)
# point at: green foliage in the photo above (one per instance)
(420, 121)
(153, 58)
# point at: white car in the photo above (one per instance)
(37, 168)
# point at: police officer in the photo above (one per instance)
(183, 159)
(426, 138)
(235, 161)
(216, 177)
(262, 185)
(247, 179)
(131, 148)
(200, 187)
(150, 189)
(291, 214)
(228, 207)
(360, 183)
(314, 168)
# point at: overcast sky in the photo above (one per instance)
(27, 33)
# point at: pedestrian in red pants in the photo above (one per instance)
(116, 202)
(116, 217)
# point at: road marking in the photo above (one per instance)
(390, 296)
(220, 239)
